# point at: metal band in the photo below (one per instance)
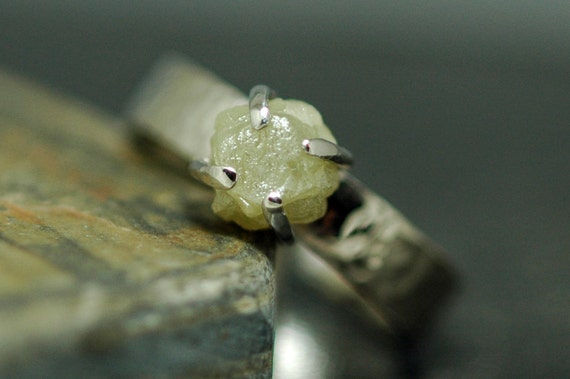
(398, 272)
(177, 105)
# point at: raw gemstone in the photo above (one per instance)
(273, 159)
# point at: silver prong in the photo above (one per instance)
(259, 97)
(328, 150)
(276, 217)
(218, 177)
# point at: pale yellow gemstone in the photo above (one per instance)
(273, 159)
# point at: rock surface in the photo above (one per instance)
(111, 263)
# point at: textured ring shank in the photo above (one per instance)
(399, 272)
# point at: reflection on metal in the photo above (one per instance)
(322, 330)
(276, 217)
(328, 150)
(218, 177)
(260, 114)
(297, 353)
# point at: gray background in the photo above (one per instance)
(457, 112)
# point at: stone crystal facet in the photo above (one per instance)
(273, 159)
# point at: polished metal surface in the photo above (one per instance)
(259, 111)
(218, 177)
(328, 150)
(276, 217)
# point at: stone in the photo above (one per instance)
(273, 159)
(111, 261)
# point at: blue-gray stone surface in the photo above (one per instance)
(111, 262)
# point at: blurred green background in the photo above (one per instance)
(457, 112)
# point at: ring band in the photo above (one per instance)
(400, 273)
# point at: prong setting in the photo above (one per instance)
(218, 177)
(259, 112)
(264, 160)
(275, 216)
(324, 149)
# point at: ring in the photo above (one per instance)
(274, 164)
